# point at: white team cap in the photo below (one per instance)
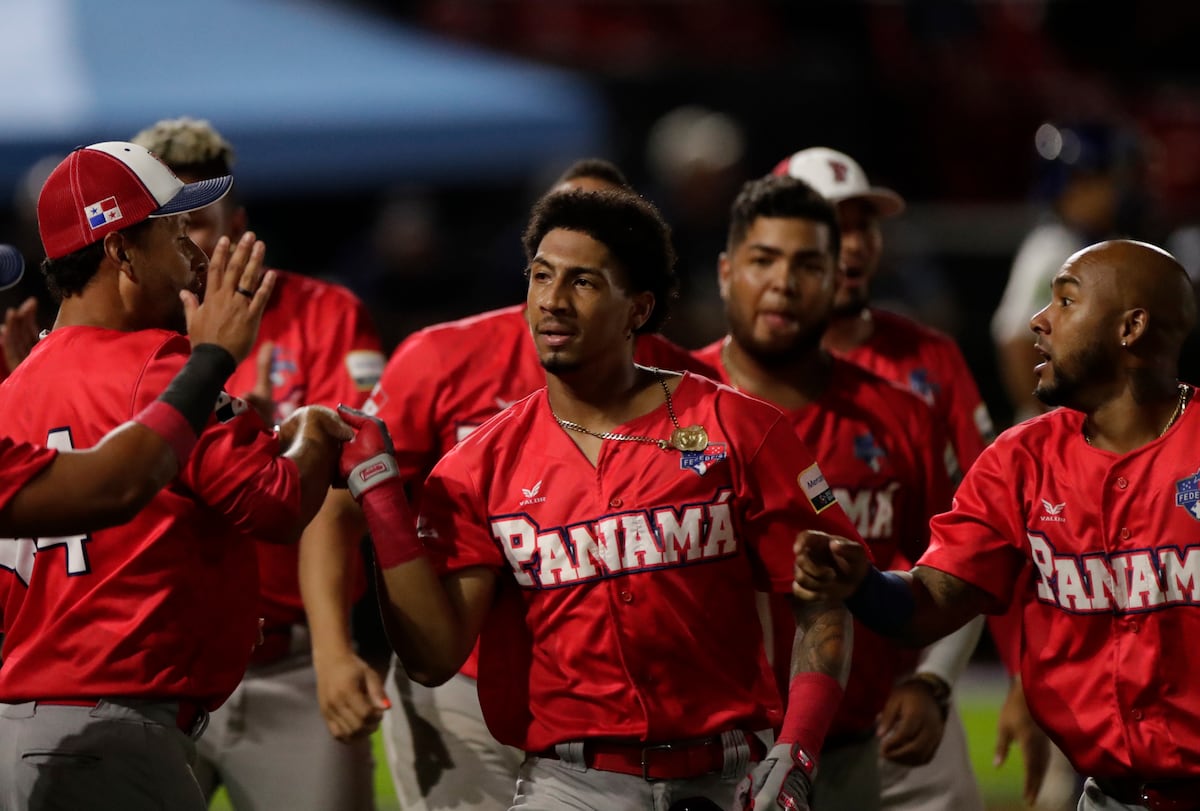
(836, 176)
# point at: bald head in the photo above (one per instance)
(1140, 276)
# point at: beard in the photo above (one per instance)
(848, 304)
(555, 364)
(1087, 365)
(778, 352)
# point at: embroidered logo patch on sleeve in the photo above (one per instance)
(816, 489)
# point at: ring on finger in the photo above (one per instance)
(243, 291)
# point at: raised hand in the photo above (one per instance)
(828, 567)
(236, 293)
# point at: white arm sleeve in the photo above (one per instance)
(947, 658)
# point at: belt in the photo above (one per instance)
(280, 642)
(190, 717)
(675, 760)
(1157, 795)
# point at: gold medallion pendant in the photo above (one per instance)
(692, 438)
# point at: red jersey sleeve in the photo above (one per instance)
(785, 493)
(406, 400)
(938, 472)
(235, 467)
(968, 424)
(20, 462)
(453, 519)
(981, 540)
(346, 362)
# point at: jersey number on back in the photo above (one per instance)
(17, 554)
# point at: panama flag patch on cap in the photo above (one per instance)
(106, 210)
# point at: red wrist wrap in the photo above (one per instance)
(166, 421)
(813, 701)
(391, 524)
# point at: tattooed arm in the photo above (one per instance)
(915, 608)
(824, 636)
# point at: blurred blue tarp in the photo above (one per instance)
(313, 97)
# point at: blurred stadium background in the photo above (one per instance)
(395, 147)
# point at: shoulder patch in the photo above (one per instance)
(365, 367)
(816, 489)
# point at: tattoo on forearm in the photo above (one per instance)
(824, 634)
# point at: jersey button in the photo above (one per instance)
(615, 502)
(1134, 627)
(1137, 715)
(627, 596)
(1125, 533)
(1122, 482)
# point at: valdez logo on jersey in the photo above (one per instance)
(701, 461)
(1053, 512)
(531, 494)
(1187, 495)
(816, 489)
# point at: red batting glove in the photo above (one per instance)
(374, 480)
(368, 460)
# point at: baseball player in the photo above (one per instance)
(269, 743)
(119, 642)
(1099, 497)
(894, 347)
(603, 539)
(882, 452)
(922, 359)
(47, 493)
(441, 384)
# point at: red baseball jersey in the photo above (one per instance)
(20, 462)
(626, 604)
(163, 607)
(886, 459)
(1101, 553)
(326, 352)
(445, 381)
(930, 364)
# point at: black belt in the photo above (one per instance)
(1157, 795)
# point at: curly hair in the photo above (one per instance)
(629, 227)
(597, 168)
(776, 196)
(69, 275)
(189, 145)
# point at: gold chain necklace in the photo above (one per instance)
(1185, 395)
(692, 438)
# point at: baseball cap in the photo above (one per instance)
(12, 266)
(836, 176)
(112, 185)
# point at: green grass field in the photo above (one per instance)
(980, 696)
